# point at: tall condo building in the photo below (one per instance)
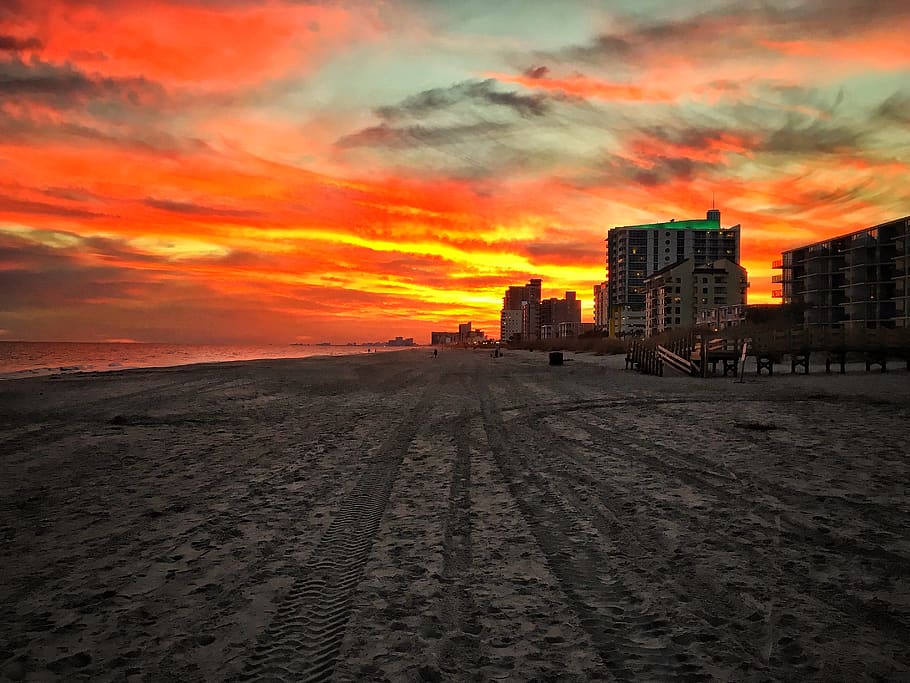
(857, 280)
(635, 252)
(520, 311)
(560, 314)
(601, 305)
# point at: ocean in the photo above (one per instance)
(28, 359)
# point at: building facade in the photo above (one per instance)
(856, 280)
(601, 306)
(520, 303)
(555, 311)
(679, 295)
(635, 252)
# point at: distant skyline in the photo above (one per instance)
(282, 171)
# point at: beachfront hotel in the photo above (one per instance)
(520, 314)
(635, 252)
(680, 295)
(859, 279)
(601, 305)
(524, 313)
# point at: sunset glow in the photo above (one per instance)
(276, 171)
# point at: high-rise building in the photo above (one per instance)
(517, 298)
(857, 280)
(601, 305)
(634, 252)
(554, 312)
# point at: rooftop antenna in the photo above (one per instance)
(712, 200)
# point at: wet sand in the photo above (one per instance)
(395, 517)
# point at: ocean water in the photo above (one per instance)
(27, 359)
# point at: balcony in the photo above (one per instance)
(777, 279)
(777, 293)
(779, 263)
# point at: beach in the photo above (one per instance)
(466, 518)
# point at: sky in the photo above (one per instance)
(274, 171)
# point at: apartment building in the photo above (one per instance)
(602, 305)
(635, 252)
(520, 303)
(857, 280)
(555, 311)
(679, 295)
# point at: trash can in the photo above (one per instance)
(555, 357)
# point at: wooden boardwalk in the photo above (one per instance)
(707, 354)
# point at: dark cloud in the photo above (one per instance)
(12, 43)
(603, 47)
(693, 137)
(38, 275)
(191, 209)
(65, 87)
(477, 93)
(72, 194)
(537, 72)
(647, 171)
(838, 18)
(136, 136)
(734, 29)
(57, 288)
(816, 138)
(387, 136)
(23, 206)
(468, 131)
(559, 252)
(665, 170)
(895, 109)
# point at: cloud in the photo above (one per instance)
(387, 136)
(72, 194)
(66, 86)
(895, 109)
(13, 205)
(12, 43)
(732, 30)
(581, 86)
(816, 138)
(480, 93)
(191, 209)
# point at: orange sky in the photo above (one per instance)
(276, 171)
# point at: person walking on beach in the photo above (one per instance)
(435, 352)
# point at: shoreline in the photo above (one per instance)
(457, 517)
(68, 370)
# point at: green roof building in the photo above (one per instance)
(634, 252)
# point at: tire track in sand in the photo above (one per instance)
(304, 639)
(631, 637)
(458, 611)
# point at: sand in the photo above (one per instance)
(395, 517)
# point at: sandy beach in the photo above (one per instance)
(466, 518)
